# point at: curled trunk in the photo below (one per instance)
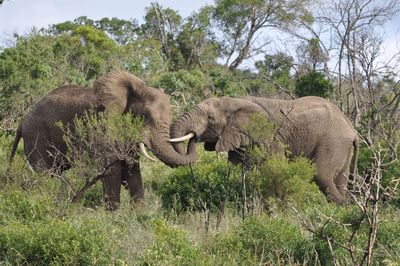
(163, 149)
(189, 122)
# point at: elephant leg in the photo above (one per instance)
(342, 178)
(112, 186)
(331, 176)
(133, 179)
(35, 152)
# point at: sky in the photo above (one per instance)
(21, 15)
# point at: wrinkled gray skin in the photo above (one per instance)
(309, 126)
(43, 140)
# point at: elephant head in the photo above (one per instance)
(127, 93)
(218, 122)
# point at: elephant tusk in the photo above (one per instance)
(144, 152)
(181, 139)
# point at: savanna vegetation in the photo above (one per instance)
(212, 212)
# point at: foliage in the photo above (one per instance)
(193, 58)
(276, 68)
(210, 185)
(186, 87)
(96, 140)
(195, 41)
(279, 178)
(343, 226)
(171, 247)
(224, 82)
(313, 84)
(52, 242)
(263, 240)
(240, 21)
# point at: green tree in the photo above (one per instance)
(276, 69)
(196, 41)
(241, 20)
(313, 83)
(163, 25)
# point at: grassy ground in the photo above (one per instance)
(38, 226)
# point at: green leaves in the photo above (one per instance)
(313, 84)
(99, 138)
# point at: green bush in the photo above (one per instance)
(53, 242)
(282, 179)
(262, 240)
(185, 87)
(211, 183)
(172, 247)
(388, 238)
(313, 84)
(96, 140)
(390, 173)
(225, 82)
(94, 196)
(328, 222)
(21, 206)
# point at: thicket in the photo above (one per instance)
(213, 212)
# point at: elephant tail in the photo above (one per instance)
(18, 136)
(355, 156)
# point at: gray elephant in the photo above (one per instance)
(309, 126)
(43, 139)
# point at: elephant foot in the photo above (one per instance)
(339, 200)
(112, 206)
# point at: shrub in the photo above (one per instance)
(53, 243)
(280, 178)
(172, 247)
(313, 83)
(94, 196)
(337, 223)
(211, 183)
(272, 174)
(186, 87)
(97, 140)
(388, 238)
(262, 240)
(21, 206)
(225, 82)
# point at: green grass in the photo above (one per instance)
(39, 226)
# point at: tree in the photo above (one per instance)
(241, 21)
(196, 41)
(276, 68)
(348, 19)
(313, 84)
(163, 25)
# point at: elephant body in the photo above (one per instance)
(45, 148)
(310, 126)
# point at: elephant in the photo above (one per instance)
(117, 90)
(309, 126)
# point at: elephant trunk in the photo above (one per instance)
(189, 122)
(163, 149)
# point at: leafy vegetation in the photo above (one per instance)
(211, 213)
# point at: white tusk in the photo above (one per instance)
(144, 152)
(188, 136)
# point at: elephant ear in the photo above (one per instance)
(114, 90)
(230, 139)
(235, 134)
